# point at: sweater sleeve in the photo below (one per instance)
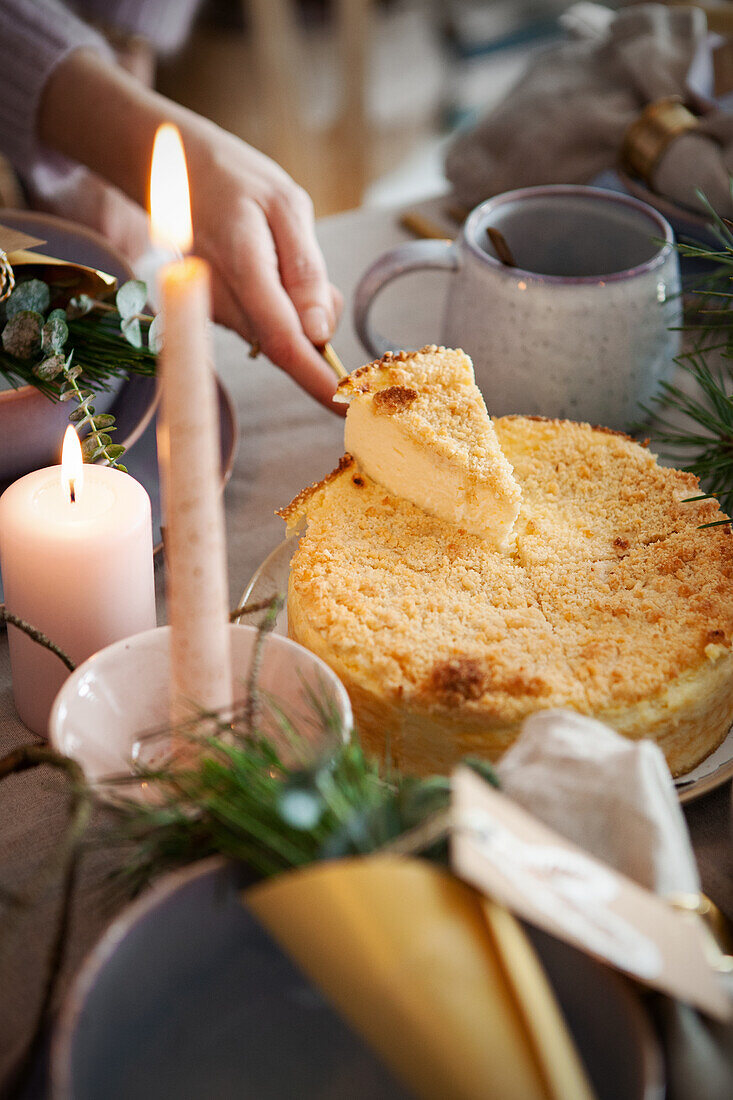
(35, 36)
(164, 23)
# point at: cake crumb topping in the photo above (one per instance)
(394, 399)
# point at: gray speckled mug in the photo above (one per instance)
(580, 328)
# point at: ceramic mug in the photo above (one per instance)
(580, 328)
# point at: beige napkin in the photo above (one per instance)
(611, 796)
(616, 799)
(565, 120)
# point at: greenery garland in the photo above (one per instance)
(272, 808)
(693, 418)
(72, 353)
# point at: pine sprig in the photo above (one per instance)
(266, 800)
(703, 442)
(693, 420)
(108, 342)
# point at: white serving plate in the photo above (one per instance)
(272, 578)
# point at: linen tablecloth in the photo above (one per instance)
(286, 442)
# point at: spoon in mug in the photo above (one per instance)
(498, 241)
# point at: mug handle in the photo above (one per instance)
(411, 256)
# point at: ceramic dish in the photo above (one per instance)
(272, 577)
(31, 426)
(99, 723)
(187, 996)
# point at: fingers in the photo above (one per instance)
(302, 267)
(227, 310)
(337, 304)
(266, 309)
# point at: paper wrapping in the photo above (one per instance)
(70, 279)
(441, 982)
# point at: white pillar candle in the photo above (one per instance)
(80, 570)
(189, 455)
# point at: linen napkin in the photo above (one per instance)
(616, 799)
(566, 118)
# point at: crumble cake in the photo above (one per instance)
(609, 600)
(417, 424)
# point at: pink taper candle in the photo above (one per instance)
(189, 455)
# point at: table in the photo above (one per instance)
(286, 441)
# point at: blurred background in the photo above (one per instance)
(356, 99)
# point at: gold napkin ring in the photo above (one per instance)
(648, 136)
(7, 276)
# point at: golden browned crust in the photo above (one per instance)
(371, 376)
(612, 602)
(292, 512)
(394, 399)
(559, 420)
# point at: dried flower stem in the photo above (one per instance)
(37, 636)
(252, 702)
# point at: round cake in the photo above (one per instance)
(608, 599)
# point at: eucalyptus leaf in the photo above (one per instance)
(132, 331)
(89, 448)
(114, 451)
(155, 334)
(31, 295)
(131, 298)
(103, 440)
(50, 368)
(78, 416)
(22, 334)
(73, 372)
(79, 306)
(55, 332)
(104, 420)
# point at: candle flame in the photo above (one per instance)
(72, 465)
(170, 202)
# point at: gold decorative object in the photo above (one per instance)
(719, 944)
(648, 136)
(7, 277)
(333, 361)
(420, 226)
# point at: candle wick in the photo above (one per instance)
(72, 490)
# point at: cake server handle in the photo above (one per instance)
(411, 256)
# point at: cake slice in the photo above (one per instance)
(417, 425)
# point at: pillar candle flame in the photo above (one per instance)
(170, 202)
(72, 465)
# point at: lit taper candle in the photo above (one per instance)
(188, 450)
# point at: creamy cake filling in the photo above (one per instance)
(443, 485)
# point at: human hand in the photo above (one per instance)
(251, 222)
(256, 228)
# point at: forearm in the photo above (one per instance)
(97, 114)
(250, 220)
